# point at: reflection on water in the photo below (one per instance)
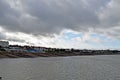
(61, 68)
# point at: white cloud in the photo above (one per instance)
(44, 22)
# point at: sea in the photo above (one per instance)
(100, 67)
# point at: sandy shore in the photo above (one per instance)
(33, 55)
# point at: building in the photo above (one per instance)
(4, 44)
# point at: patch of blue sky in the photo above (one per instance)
(102, 37)
(112, 43)
(106, 42)
(71, 35)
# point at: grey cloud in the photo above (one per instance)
(8, 16)
(110, 14)
(70, 14)
(44, 17)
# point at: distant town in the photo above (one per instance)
(16, 51)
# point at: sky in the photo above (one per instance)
(80, 24)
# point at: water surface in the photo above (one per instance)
(61, 68)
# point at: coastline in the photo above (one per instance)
(34, 55)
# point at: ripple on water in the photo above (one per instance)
(61, 68)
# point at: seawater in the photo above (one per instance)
(61, 68)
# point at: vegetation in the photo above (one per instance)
(16, 51)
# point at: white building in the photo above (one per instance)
(4, 43)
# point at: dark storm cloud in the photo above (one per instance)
(43, 17)
(8, 16)
(61, 14)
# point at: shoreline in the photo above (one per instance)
(34, 55)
